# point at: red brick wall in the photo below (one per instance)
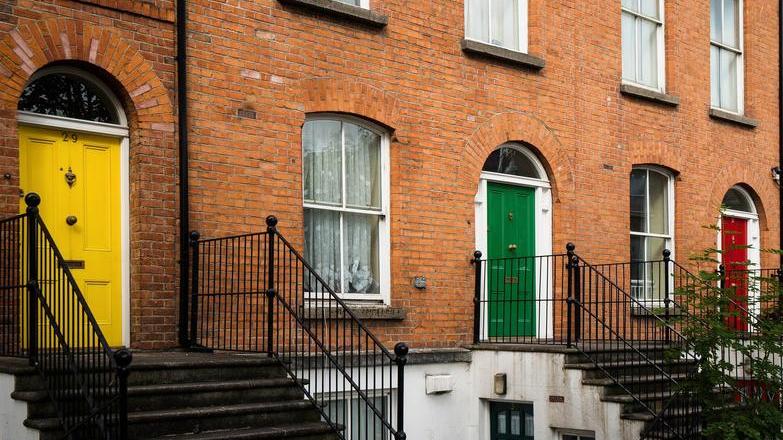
(447, 112)
(135, 56)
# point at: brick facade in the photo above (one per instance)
(446, 111)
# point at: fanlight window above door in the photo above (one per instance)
(509, 160)
(736, 199)
(70, 96)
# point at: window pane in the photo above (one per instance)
(362, 167)
(716, 22)
(361, 264)
(516, 423)
(728, 80)
(714, 76)
(737, 201)
(655, 271)
(650, 8)
(648, 56)
(638, 255)
(351, 2)
(629, 47)
(364, 424)
(659, 203)
(505, 23)
(508, 160)
(631, 4)
(639, 200)
(336, 410)
(477, 12)
(731, 23)
(322, 247)
(502, 422)
(70, 96)
(529, 421)
(321, 145)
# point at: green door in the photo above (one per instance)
(511, 246)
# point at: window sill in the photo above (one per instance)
(362, 312)
(499, 53)
(341, 10)
(649, 95)
(725, 116)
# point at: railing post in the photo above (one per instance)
(666, 295)
(779, 305)
(271, 230)
(721, 277)
(194, 276)
(123, 359)
(401, 358)
(477, 299)
(32, 200)
(570, 266)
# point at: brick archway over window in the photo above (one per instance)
(517, 127)
(340, 95)
(754, 183)
(153, 155)
(655, 153)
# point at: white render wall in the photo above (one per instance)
(463, 414)
(13, 413)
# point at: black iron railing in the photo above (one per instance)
(46, 319)
(563, 300)
(255, 293)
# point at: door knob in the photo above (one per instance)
(71, 220)
(512, 247)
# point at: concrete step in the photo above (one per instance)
(151, 424)
(299, 431)
(179, 395)
(634, 367)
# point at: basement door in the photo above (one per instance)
(77, 176)
(734, 241)
(511, 248)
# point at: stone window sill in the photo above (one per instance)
(341, 10)
(362, 312)
(649, 95)
(501, 54)
(723, 115)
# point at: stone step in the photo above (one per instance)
(299, 431)
(634, 367)
(180, 395)
(151, 424)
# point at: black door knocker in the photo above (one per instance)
(70, 177)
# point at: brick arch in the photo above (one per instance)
(34, 45)
(644, 152)
(517, 127)
(343, 95)
(759, 185)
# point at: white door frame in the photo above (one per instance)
(119, 131)
(754, 243)
(543, 208)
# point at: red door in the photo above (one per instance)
(735, 262)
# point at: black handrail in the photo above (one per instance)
(47, 320)
(563, 300)
(256, 293)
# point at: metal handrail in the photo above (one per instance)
(249, 295)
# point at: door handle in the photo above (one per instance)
(71, 220)
(512, 247)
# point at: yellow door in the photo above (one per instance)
(77, 176)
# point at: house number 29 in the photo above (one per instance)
(69, 136)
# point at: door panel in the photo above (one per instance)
(511, 237)
(48, 158)
(734, 246)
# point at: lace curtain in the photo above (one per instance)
(342, 246)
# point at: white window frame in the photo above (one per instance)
(391, 413)
(661, 49)
(579, 433)
(523, 26)
(740, 52)
(668, 238)
(384, 221)
(362, 3)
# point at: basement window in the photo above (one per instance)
(511, 421)
(357, 417)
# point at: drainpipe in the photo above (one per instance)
(780, 123)
(182, 119)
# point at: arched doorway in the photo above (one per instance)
(73, 152)
(739, 243)
(513, 209)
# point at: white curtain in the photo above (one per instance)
(328, 233)
(505, 23)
